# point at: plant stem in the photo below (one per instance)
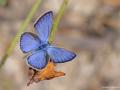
(57, 20)
(20, 31)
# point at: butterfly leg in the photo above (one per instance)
(31, 74)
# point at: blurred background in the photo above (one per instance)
(90, 28)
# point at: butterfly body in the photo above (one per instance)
(40, 47)
(44, 46)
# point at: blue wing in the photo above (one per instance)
(29, 42)
(37, 60)
(43, 26)
(59, 55)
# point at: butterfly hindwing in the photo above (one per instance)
(60, 55)
(29, 42)
(37, 60)
(43, 26)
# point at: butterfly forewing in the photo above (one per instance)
(43, 26)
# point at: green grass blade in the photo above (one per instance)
(20, 31)
(57, 20)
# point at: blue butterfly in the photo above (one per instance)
(40, 47)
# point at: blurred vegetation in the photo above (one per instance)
(3, 2)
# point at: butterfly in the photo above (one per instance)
(39, 47)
